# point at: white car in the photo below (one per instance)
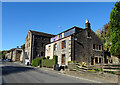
(26, 61)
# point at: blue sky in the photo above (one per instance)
(19, 17)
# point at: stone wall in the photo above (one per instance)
(59, 51)
(82, 48)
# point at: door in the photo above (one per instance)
(92, 61)
(63, 59)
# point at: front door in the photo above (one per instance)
(63, 59)
(92, 61)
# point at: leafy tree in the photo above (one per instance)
(23, 46)
(115, 29)
(104, 34)
(3, 54)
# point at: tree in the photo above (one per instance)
(115, 29)
(104, 34)
(23, 46)
(3, 54)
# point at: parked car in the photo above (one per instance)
(3, 59)
(9, 60)
(26, 61)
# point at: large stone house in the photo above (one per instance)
(9, 54)
(16, 54)
(35, 44)
(76, 44)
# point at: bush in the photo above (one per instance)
(111, 72)
(50, 62)
(91, 70)
(36, 61)
(84, 64)
(73, 62)
(100, 69)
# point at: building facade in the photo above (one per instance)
(76, 44)
(16, 54)
(35, 44)
(9, 54)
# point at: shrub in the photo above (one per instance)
(36, 61)
(91, 70)
(111, 72)
(84, 64)
(49, 62)
(73, 62)
(99, 69)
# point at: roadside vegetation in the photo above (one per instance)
(45, 62)
(110, 33)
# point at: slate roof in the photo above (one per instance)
(41, 33)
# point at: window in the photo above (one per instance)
(49, 48)
(100, 60)
(60, 36)
(54, 38)
(63, 59)
(96, 60)
(63, 44)
(69, 32)
(29, 44)
(28, 53)
(94, 46)
(100, 47)
(97, 47)
(55, 46)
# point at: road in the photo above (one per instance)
(17, 73)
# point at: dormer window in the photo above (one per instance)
(60, 36)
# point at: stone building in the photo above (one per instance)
(9, 54)
(16, 54)
(35, 44)
(76, 44)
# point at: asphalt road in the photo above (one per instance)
(16, 73)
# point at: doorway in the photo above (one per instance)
(63, 59)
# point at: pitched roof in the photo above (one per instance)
(39, 33)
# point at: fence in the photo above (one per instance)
(110, 68)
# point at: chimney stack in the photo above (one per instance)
(87, 24)
(17, 46)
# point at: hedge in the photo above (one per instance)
(49, 62)
(36, 61)
(45, 62)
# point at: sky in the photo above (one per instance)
(49, 17)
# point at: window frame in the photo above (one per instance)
(63, 44)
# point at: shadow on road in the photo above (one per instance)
(6, 70)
